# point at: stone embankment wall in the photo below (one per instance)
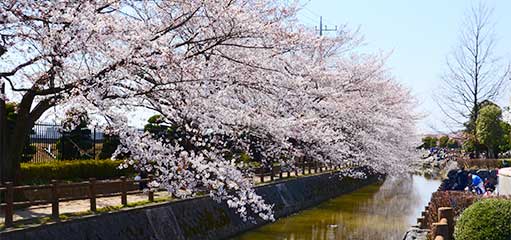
(415, 233)
(198, 218)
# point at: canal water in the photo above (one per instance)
(379, 211)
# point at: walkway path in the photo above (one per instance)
(75, 206)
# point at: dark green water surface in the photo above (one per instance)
(383, 211)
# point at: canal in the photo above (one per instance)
(379, 211)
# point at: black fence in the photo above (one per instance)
(48, 142)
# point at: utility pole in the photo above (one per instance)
(324, 28)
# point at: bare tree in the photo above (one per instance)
(474, 72)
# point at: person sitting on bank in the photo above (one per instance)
(477, 183)
(461, 180)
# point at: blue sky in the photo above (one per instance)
(419, 34)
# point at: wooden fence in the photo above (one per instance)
(125, 187)
(56, 192)
(422, 220)
(48, 142)
(278, 173)
(444, 228)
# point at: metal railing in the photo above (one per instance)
(48, 143)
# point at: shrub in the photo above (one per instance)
(482, 163)
(110, 144)
(486, 219)
(429, 142)
(452, 143)
(28, 152)
(443, 141)
(71, 170)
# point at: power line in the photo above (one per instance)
(313, 13)
(322, 28)
(316, 15)
(308, 20)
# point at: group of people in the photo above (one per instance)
(466, 181)
(440, 154)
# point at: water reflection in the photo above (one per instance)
(376, 212)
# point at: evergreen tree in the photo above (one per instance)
(76, 141)
(489, 130)
(443, 141)
(110, 144)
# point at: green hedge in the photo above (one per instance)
(483, 163)
(485, 219)
(73, 170)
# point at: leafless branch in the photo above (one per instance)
(474, 73)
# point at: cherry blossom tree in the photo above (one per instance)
(231, 74)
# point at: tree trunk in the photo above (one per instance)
(16, 144)
(476, 115)
(4, 166)
(23, 125)
(491, 152)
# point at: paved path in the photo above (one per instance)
(75, 206)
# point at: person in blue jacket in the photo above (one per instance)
(477, 183)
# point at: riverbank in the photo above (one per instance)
(434, 168)
(450, 194)
(198, 218)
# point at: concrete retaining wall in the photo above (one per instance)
(199, 218)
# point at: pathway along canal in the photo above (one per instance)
(382, 211)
